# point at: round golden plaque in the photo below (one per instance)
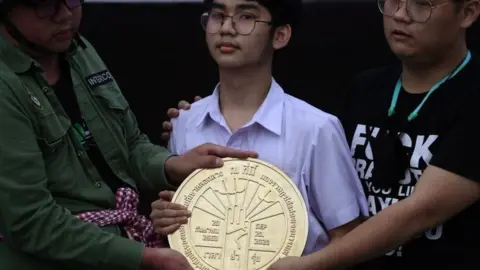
(245, 216)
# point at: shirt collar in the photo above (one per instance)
(19, 62)
(269, 115)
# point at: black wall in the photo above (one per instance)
(158, 56)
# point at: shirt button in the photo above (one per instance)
(80, 154)
(45, 89)
(98, 184)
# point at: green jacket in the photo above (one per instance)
(46, 177)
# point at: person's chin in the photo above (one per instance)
(402, 50)
(228, 61)
(61, 47)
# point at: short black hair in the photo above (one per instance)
(10, 3)
(7, 5)
(458, 4)
(283, 12)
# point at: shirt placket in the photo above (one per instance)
(80, 150)
(104, 142)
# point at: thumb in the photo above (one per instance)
(209, 162)
(166, 195)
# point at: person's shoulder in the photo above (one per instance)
(12, 94)
(197, 110)
(308, 113)
(83, 43)
(462, 92)
(308, 119)
(471, 76)
(85, 49)
(9, 80)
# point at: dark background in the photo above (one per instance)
(158, 55)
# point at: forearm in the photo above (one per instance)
(390, 228)
(340, 232)
(147, 160)
(46, 230)
(148, 163)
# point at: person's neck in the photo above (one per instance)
(49, 62)
(242, 92)
(51, 66)
(244, 89)
(419, 77)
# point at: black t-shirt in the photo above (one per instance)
(66, 95)
(444, 134)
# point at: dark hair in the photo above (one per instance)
(283, 12)
(7, 5)
(458, 4)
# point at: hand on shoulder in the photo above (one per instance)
(174, 113)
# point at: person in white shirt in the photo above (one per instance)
(249, 110)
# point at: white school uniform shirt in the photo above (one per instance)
(307, 144)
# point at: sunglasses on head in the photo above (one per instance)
(49, 8)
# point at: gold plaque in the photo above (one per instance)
(245, 215)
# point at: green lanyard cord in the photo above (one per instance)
(398, 86)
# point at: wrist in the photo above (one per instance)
(170, 170)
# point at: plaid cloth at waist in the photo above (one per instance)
(138, 227)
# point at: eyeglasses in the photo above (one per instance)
(418, 10)
(244, 23)
(49, 8)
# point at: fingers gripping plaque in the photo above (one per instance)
(245, 216)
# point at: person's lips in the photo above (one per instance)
(227, 47)
(400, 34)
(63, 34)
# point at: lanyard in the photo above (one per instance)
(414, 114)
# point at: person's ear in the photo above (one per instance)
(281, 36)
(470, 12)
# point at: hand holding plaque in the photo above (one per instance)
(207, 155)
(167, 216)
(245, 215)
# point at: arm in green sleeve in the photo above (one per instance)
(146, 159)
(30, 220)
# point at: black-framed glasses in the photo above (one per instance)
(418, 10)
(49, 8)
(244, 23)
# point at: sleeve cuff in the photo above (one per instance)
(156, 172)
(124, 254)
